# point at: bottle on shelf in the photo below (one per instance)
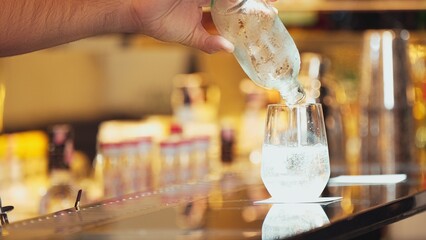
(201, 145)
(227, 140)
(252, 123)
(109, 168)
(62, 190)
(186, 161)
(144, 166)
(136, 164)
(169, 163)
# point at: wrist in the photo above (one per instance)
(117, 17)
(128, 17)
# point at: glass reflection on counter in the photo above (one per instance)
(286, 220)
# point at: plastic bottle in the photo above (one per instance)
(201, 145)
(169, 163)
(61, 192)
(111, 167)
(144, 165)
(263, 46)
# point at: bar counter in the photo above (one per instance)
(224, 208)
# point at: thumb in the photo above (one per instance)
(215, 43)
(211, 43)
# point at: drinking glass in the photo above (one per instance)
(295, 159)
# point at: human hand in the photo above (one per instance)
(177, 21)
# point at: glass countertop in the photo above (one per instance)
(225, 209)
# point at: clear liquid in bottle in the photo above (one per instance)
(263, 46)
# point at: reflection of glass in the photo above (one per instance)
(295, 161)
(286, 220)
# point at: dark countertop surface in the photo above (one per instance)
(224, 209)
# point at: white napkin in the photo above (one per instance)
(323, 200)
(366, 179)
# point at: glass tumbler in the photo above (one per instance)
(295, 159)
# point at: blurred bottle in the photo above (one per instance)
(144, 169)
(201, 146)
(14, 186)
(62, 191)
(251, 130)
(386, 97)
(227, 139)
(129, 166)
(169, 163)
(108, 164)
(13, 167)
(195, 104)
(417, 56)
(194, 99)
(124, 167)
(320, 89)
(186, 160)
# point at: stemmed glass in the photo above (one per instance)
(295, 160)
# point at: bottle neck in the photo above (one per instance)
(292, 93)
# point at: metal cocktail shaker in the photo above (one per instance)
(386, 96)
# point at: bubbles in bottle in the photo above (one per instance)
(263, 46)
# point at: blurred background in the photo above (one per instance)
(117, 91)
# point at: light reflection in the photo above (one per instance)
(346, 203)
(286, 220)
(388, 90)
(2, 97)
